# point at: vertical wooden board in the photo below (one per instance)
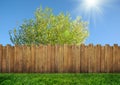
(82, 56)
(33, 58)
(89, 65)
(41, 65)
(56, 58)
(4, 66)
(28, 59)
(65, 58)
(11, 53)
(77, 53)
(18, 59)
(45, 58)
(37, 59)
(102, 59)
(73, 58)
(111, 60)
(48, 58)
(7, 60)
(86, 59)
(91, 59)
(97, 56)
(70, 63)
(115, 53)
(59, 59)
(46, 62)
(8, 57)
(106, 52)
(118, 60)
(24, 64)
(15, 59)
(107, 58)
(1, 49)
(53, 58)
(61, 62)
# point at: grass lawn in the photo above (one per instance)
(59, 79)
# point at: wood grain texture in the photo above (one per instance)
(60, 59)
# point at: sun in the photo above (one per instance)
(91, 10)
(91, 3)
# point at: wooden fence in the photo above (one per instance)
(60, 59)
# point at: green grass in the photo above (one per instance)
(59, 79)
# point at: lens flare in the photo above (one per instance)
(91, 9)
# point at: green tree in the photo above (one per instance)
(47, 28)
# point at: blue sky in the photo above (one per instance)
(104, 29)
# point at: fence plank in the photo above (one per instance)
(8, 54)
(41, 59)
(86, 59)
(97, 56)
(61, 57)
(33, 58)
(108, 58)
(18, 59)
(1, 54)
(70, 59)
(4, 63)
(73, 59)
(53, 58)
(118, 58)
(65, 58)
(28, 56)
(82, 56)
(77, 58)
(37, 59)
(26, 59)
(56, 58)
(48, 58)
(45, 57)
(103, 59)
(59, 62)
(91, 59)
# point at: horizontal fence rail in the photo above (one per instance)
(60, 59)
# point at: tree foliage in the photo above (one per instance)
(47, 28)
